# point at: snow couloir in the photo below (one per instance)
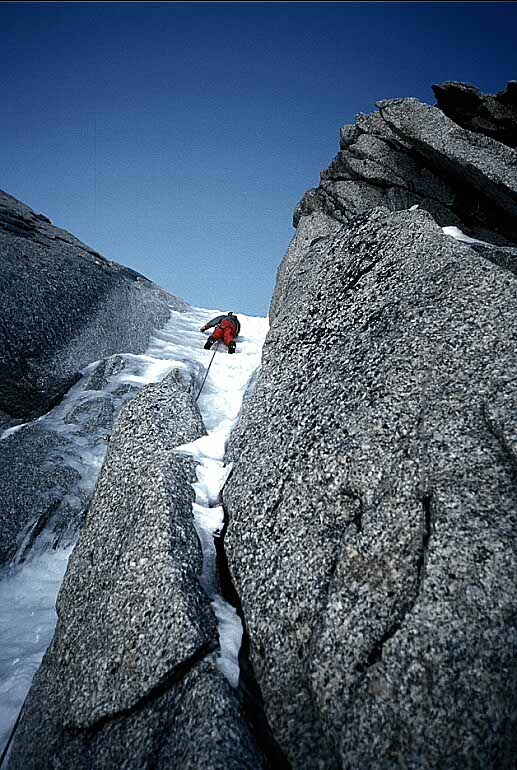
(29, 587)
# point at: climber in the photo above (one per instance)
(227, 328)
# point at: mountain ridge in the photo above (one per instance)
(371, 503)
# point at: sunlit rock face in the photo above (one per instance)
(373, 502)
(63, 306)
(410, 154)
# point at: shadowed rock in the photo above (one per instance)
(63, 306)
(494, 115)
(130, 679)
(488, 167)
(48, 467)
(411, 154)
(373, 501)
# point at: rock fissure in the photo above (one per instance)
(494, 115)
(37, 529)
(492, 192)
(17, 224)
(399, 592)
(426, 537)
(375, 654)
(503, 257)
(249, 688)
(358, 500)
(165, 684)
(355, 278)
(382, 163)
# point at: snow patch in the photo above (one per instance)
(230, 639)
(456, 233)
(219, 403)
(27, 620)
(9, 431)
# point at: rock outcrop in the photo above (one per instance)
(411, 154)
(372, 503)
(130, 679)
(373, 500)
(63, 306)
(492, 114)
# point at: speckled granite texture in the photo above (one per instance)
(130, 680)
(410, 154)
(373, 501)
(63, 306)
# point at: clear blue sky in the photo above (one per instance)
(176, 138)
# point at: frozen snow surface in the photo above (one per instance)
(219, 402)
(28, 590)
(459, 235)
(27, 621)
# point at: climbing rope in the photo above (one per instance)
(208, 369)
(11, 736)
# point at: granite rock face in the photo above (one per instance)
(410, 154)
(489, 168)
(35, 490)
(492, 114)
(373, 500)
(63, 306)
(372, 504)
(130, 679)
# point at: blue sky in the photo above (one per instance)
(177, 138)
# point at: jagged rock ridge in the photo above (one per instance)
(411, 154)
(373, 500)
(492, 114)
(372, 503)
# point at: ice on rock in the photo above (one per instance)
(207, 447)
(219, 402)
(211, 519)
(459, 235)
(27, 621)
(28, 591)
(230, 638)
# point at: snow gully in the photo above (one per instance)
(28, 590)
(219, 403)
